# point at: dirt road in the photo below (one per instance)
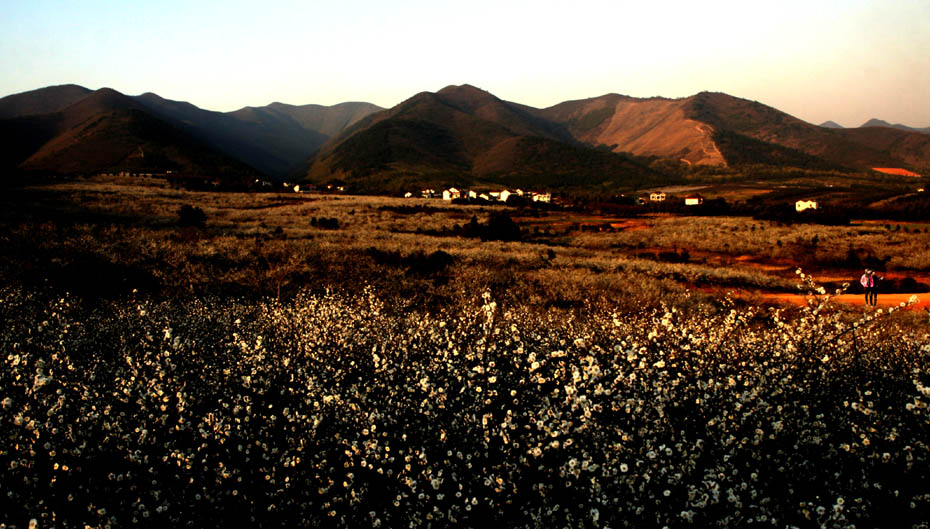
(884, 300)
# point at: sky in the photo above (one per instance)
(846, 61)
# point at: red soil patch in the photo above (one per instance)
(884, 300)
(894, 171)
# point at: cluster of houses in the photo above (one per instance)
(311, 188)
(490, 196)
(661, 196)
(697, 200)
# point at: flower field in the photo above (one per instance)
(340, 410)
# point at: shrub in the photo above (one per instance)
(191, 216)
(325, 223)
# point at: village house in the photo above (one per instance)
(306, 188)
(657, 196)
(542, 197)
(694, 200)
(429, 193)
(451, 194)
(802, 205)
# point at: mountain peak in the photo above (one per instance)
(875, 122)
(466, 95)
(463, 89)
(830, 125)
(41, 101)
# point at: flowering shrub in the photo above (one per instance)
(339, 410)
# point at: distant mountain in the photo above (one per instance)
(465, 135)
(271, 139)
(271, 145)
(830, 125)
(107, 131)
(327, 120)
(718, 129)
(460, 134)
(881, 123)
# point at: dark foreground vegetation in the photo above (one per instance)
(343, 411)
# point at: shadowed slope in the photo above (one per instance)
(107, 131)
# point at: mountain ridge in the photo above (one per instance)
(458, 133)
(270, 140)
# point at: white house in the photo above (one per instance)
(472, 194)
(504, 195)
(451, 194)
(657, 196)
(408, 194)
(694, 200)
(802, 205)
(542, 197)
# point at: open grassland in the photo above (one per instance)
(110, 237)
(339, 361)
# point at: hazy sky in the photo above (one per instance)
(847, 60)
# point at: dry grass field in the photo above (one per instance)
(109, 237)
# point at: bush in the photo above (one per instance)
(325, 223)
(191, 216)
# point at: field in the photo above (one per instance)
(179, 358)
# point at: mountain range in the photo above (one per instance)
(458, 135)
(71, 129)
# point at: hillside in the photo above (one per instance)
(646, 127)
(42, 101)
(464, 134)
(108, 131)
(37, 130)
(718, 129)
(269, 143)
(272, 139)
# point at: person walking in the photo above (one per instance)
(870, 284)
